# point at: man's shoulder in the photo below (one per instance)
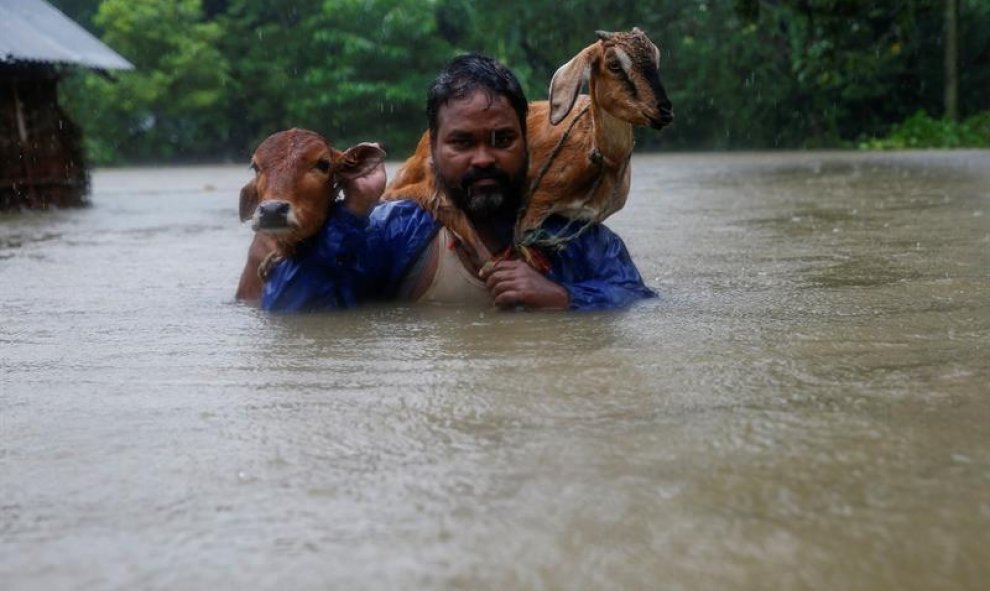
(403, 217)
(398, 209)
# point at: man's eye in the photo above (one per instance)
(502, 140)
(460, 142)
(323, 166)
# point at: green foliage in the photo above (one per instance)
(922, 131)
(378, 58)
(741, 73)
(168, 106)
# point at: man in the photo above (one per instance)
(397, 250)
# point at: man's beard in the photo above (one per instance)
(501, 199)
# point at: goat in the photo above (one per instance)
(297, 177)
(579, 145)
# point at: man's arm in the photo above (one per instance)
(333, 270)
(593, 272)
(596, 270)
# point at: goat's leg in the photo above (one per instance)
(414, 180)
(421, 192)
(528, 230)
(250, 286)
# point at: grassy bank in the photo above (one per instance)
(922, 131)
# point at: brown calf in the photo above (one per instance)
(297, 178)
(579, 145)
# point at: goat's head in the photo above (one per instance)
(297, 175)
(623, 73)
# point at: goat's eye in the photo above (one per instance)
(322, 165)
(614, 66)
(254, 168)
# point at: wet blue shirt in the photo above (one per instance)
(354, 260)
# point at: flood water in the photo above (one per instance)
(807, 406)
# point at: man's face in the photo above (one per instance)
(479, 155)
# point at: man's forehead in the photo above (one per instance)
(476, 107)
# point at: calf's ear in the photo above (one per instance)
(249, 200)
(359, 160)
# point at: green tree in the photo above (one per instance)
(215, 78)
(173, 104)
(354, 70)
(378, 58)
(81, 11)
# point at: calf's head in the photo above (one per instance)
(297, 177)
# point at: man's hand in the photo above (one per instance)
(361, 194)
(514, 283)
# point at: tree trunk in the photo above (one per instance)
(952, 60)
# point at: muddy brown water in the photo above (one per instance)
(806, 407)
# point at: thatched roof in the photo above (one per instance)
(34, 31)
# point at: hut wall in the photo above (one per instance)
(41, 154)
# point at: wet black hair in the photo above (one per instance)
(469, 73)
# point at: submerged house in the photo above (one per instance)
(41, 152)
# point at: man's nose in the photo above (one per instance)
(482, 156)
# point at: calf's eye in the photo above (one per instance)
(322, 165)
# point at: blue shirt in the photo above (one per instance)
(354, 260)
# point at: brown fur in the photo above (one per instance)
(586, 173)
(300, 168)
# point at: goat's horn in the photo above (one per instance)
(604, 35)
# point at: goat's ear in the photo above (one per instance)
(359, 160)
(566, 84)
(249, 200)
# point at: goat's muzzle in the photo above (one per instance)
(274, 217)
(666, 118)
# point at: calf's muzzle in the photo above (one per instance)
(273, 217)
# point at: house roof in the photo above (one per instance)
(36, 31)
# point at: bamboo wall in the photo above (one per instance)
(41, 153)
